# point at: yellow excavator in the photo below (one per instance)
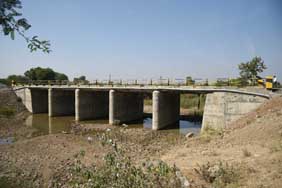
(268, 82)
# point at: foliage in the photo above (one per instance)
(118, 170)
(220, 174)
(246, 153)
(276, 147)
(208, 133)
(11, 22)
(80, 80)
(60, 76)
(7, 111)
(249, 70)
(189, 80)
(222, 82)
(16, 78)
(192, 101)
(4, 81)
(236, 82)
(39, 73)
(212, 131)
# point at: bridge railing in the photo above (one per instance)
(129, 82)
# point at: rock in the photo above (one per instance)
(89, 139)
(29, 135)
(186, 183)
(124, 125)
(108, 129)
(213, 170)
(189, 135)
(116, 122)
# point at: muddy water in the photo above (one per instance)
(8, 140)
(51, 125)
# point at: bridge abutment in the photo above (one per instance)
(91, 104)
(125, 106)
(35, 100)
(166, 109)
(61, 102)
(222, 108)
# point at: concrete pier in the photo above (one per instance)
(166, 109)
(91, 104)
(61, 102)
(125, 106)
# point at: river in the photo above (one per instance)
(62, 124)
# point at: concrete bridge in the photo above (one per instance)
(122, 104)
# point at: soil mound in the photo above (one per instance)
(252, 145)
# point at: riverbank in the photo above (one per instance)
(247, 155)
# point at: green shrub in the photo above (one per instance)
(192, 101)
(7, 111)
(148, 102)
(118, 170)
(220, 174)
(246, 153)
(276, 147)
(212, 131)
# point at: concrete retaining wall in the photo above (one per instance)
(91, 104)
(222, 108)
(35, 100)
(25, 95)
(125, 107)
(166, 109)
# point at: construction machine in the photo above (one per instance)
(269, 82)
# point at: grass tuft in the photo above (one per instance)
(7, 111)
(246, 153)
(220, 174)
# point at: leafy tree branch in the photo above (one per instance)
(11, 25)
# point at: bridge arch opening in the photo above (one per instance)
(39, 100)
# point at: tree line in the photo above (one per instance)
(39, 73)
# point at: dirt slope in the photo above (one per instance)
(253, 144)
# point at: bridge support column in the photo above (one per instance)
(166, 109)
(61, 102)
(125, 107)
(91, 104)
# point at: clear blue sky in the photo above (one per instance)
(148, 38)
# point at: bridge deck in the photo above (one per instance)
(181, 89)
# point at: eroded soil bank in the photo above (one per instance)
(249, 154)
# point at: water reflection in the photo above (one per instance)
(8, 140)
(51, 125)
(182, 127)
